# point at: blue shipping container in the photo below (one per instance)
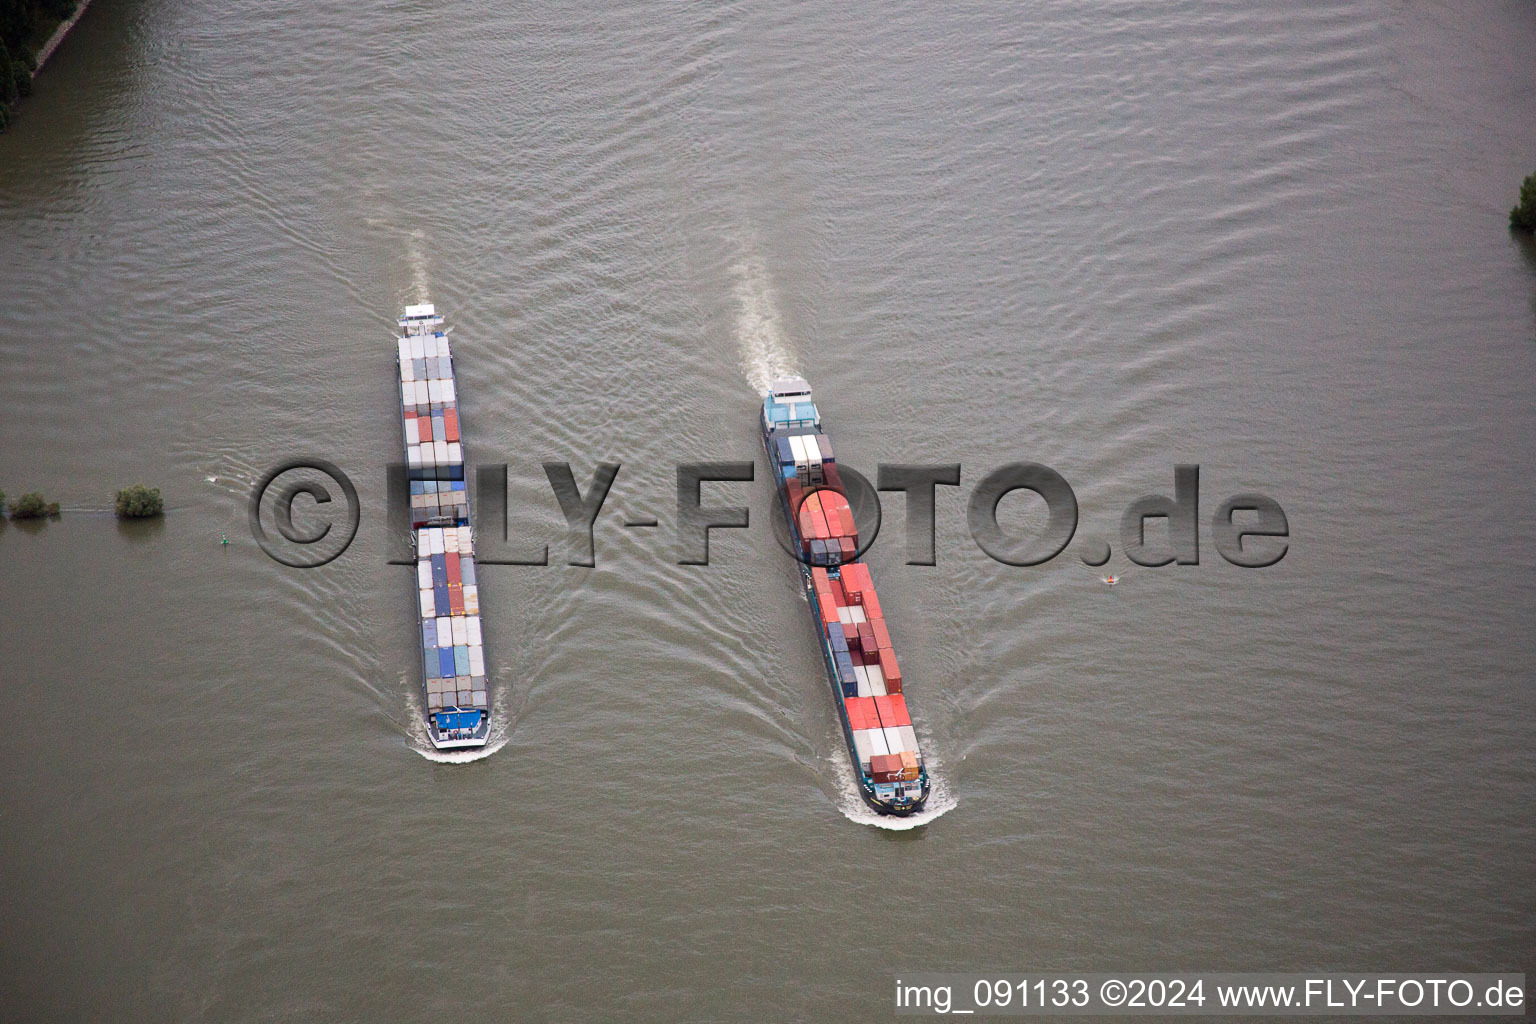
(429, 635)
(445, 661)
(440, 599)
(461, 661)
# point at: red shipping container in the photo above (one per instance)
(888, 665)
(872, 605)
(828, 609)
(793, 491)
(453, 567)
(451, 425)
(848, 548)
(885, 767)
(851, 634)
(850, 528)
(455, 599)
(882, 635)
(861, 712)
(818, 525)
(892, 710)
(820, 581)
(867, 638)
(833, 480)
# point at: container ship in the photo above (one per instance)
(845, 612)
(452, 647)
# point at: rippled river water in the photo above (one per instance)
(1106, 237)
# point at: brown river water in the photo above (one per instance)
(1267, 239)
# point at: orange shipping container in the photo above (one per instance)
(882, 635)
(451, 426)
(908, 765)
(891, 670)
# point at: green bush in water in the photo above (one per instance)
(139, 502)
(1523, 217)
(32, 506)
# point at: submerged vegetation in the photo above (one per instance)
(1523, 216)
(25, 25)
(32, 506)
(139, 502)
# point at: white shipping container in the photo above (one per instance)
(876, 681)
(440, 346)
(460, 631)
(440, 453)
(423, 574)
(845, 613)
(428, 604)
(451, 540)
(405, 349)
(407, 371)
(472, 630)
(478, 698)
(448, 392)
(858, 613)
(465, 696)
(877, 743)
(466, 541)
(864, 690)
(861, 744)
(893, 740)
(797, 450)
(418, 347)
(435, 538)
(434, 702)
(455, 453)
(444, 632)
(435, 390)
(422, 396)
(472, 600)
(407, 394)
(413, 456)
(861, 674)
(412, 431)
(909, 739)
(477, 661)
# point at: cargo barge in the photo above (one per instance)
(866, 680)
(453, 676)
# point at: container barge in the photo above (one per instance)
(453, 676)
(866, 680)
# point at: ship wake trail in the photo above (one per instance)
(940, 800)
(765, 350)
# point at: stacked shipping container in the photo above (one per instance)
(434, 452)
(861, 660)
(452, 645)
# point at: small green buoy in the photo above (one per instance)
(223, 540)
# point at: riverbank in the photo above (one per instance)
(30, 32)
(57, 37)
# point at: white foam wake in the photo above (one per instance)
(501, 728)
(764, 348)
(940, 800)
